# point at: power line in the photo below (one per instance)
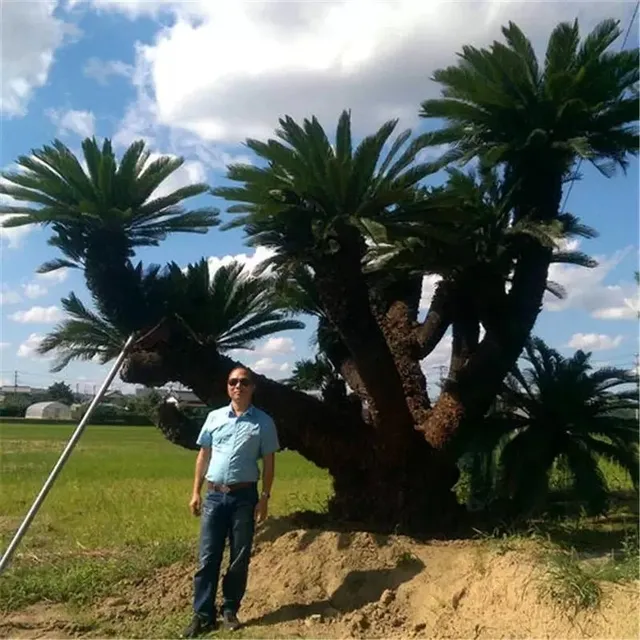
(577, 171)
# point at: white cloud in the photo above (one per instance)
(190, 172)
(276, 346)
(275, 58)
(4, 345)
(14, 236)
(140, 118)
(594, 341)
(266, 366)
(38, 315)
(436, 365)
(82, 123)
(55, 277)
(30, 35)
(133, 8)
(250, 262)
(587, 290)
(34, 290)
(28, 348)
(7, 296)
(102, 70)
(428, 289)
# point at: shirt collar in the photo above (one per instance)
(232, 414)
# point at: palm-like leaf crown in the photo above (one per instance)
(111, 202)
(231, 309)
(481, 236)
(312, 375)
(311, 195)
(501, 104)
(562, 410)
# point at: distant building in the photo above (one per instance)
(21, 388)
(185, 397)
(48, 411)
(9, 390)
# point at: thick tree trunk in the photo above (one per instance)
(370, 486)
(331, 344)
(398, 330)
(415, 495)
(112, 280)
(470, 395)
(466, 329)
(345, 298)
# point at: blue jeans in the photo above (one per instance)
(224, 515)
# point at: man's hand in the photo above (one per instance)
(262, 509)
(196, 504)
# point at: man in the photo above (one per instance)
(231, 441)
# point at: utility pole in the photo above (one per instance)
(15, 381)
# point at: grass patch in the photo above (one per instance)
(119, 508)
(574, 579)
(80, 580)
(568, 585)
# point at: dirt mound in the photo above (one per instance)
(362, 585)
(325, 584)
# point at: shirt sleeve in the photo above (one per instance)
(268, 439)
(204, 439)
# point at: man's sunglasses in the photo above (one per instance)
(234, 382)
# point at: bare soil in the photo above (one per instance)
(327, 584)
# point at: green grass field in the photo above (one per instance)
(119, 508)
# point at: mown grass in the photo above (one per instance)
(118, 509)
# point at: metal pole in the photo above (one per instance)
(63, 457)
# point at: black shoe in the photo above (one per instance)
(230, 621)
(198, 627)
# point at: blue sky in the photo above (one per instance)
(195, 79)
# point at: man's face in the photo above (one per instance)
(239, 385)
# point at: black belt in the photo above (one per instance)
(229, 488)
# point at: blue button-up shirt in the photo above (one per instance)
(236, 443)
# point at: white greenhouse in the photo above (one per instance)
(48, 411)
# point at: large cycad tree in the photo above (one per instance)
(322, 201)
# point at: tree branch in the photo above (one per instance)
(345, 299)
(328, 436)
(439, 317)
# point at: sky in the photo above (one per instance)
(196, 78)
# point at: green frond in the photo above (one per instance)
(577, 258)
(556, 289)
(109, 198)
(561, 408)
(589, 483)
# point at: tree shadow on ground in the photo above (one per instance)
(358, 589)
(566, 527)
(314, 524)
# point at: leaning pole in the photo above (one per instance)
(37, 503)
